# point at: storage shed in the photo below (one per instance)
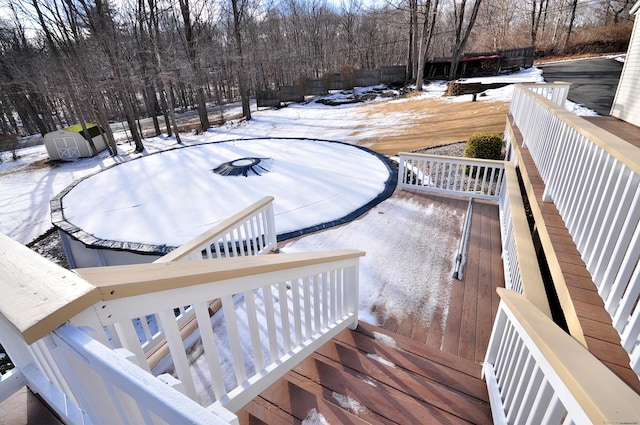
(70, 142)
(626, 104)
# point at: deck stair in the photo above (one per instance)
(374, 376)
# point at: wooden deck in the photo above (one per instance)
(629, 132)
(474, 300)
(413, 374)
(602, 339)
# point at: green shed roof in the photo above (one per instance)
(91, 128)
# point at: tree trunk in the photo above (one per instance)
(462, 33)
(425, 41)
(238, 11)
(574, 5)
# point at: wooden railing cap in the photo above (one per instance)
(37, 294)
(604, 397)
(124, 281)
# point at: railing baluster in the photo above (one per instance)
(271, 322)
(252, 320)
(178, 355)
(317, 303)
(284, 316)
(325, 298)
(306, 288)
(231, 323)
(211, 348)
(129, 338)
(297, 313)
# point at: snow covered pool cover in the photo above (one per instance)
(168, 198)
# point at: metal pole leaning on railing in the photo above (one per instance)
(463, 241)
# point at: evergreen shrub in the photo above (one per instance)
(484, 146)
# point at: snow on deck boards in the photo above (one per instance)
(457, 317)
(467, 320)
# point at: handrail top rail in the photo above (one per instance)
(532, 282)
(130, 280)
(603, 396)
(215, 231)
(32, 308)
(617, 147)
(496, 162)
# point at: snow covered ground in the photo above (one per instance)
(27, 185)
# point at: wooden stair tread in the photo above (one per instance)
(423, 350)
(386, 383)
(408, 388)
(420, 365)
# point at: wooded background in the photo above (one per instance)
(64, 62)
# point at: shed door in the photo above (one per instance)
(67, 147)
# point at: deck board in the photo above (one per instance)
(601, 338)
(468, 320)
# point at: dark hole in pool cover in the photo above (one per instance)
(241, 166)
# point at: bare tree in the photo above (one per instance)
(239, 8)
(428, 28)
(192, 55)
(462, 29)
(574, 5)
(537, 7)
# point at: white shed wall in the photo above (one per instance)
(62, 144)
(626, 104)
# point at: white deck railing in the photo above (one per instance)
(251, 231)
(83, 381)
(276, 310)
(555, 92)
(522, 272)
(473, 178)
(593, 178)
(538, 374)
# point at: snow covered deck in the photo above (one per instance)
(435, 372)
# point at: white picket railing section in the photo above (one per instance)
(538, 374)
(83, 381)
(276, 310)
(593, 177)
(251, 231)
(555, 92)
(474, 178)
(113, 390)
